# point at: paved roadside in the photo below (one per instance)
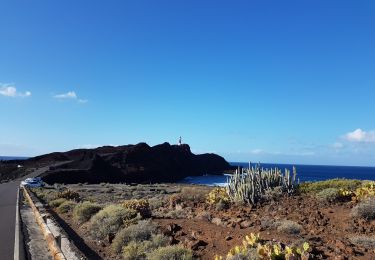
(33, 237)
(8, 199)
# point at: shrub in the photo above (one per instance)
(315, 187)
(194, 193)
(139, 250)
(159, 241)
(155, 203)
(66, 206)
(289, 227)
(171, 253)
(365, 209)
(45, 194)
(204, 215)
(142, 206)
(84, 211)
(177, 214)
(56, 203)
(364, 241)
(141, 231)
(134, 251)
(274, 194)
(268, 223)
(328, 195)
(221, 205)
(109, 220)
(69, 195)
(174, 200)
(217, 195)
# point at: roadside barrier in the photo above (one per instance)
(48, 236)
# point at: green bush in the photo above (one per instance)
(84, 211)
(69, 195)
(328, 195)
(177, 214)
(171, 253)
(46, 195)
(109, 220)
(155, 203)
(134, 251)
(288, 227)
(315, 187)
(66, 206)
(141, 231)
(363, 241)
(365, 209)
(251, 253)
(194, 193)
(56, 203)
(139, 250)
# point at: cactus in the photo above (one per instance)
(141, 206)
(249, 186)
(365, 191)
(265, 250)
(217, 195)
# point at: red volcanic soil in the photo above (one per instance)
(327, 227)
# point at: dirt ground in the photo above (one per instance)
(209, 231)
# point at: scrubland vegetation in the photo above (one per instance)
(266, 214)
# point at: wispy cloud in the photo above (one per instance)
(68, 95)
(360, 136)
(71, 95)
(9, 90)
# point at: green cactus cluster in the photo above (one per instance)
(250, 185)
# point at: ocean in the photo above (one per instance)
(7, 158)
(304, 173)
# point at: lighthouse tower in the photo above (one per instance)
(180, 141)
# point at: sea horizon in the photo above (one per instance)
(305, 173)
(298, 164)
(233, 163)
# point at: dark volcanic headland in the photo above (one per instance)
(138, 163)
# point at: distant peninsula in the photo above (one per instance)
(138, 163)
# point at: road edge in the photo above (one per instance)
(53, 246)
(19, 253)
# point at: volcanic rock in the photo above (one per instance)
(130, 164)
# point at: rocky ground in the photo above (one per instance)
(182, 214)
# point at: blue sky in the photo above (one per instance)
(269, 81)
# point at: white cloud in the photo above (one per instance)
(71, 95)
(9, 90)
(361, 136)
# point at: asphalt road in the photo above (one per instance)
(8, 199)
